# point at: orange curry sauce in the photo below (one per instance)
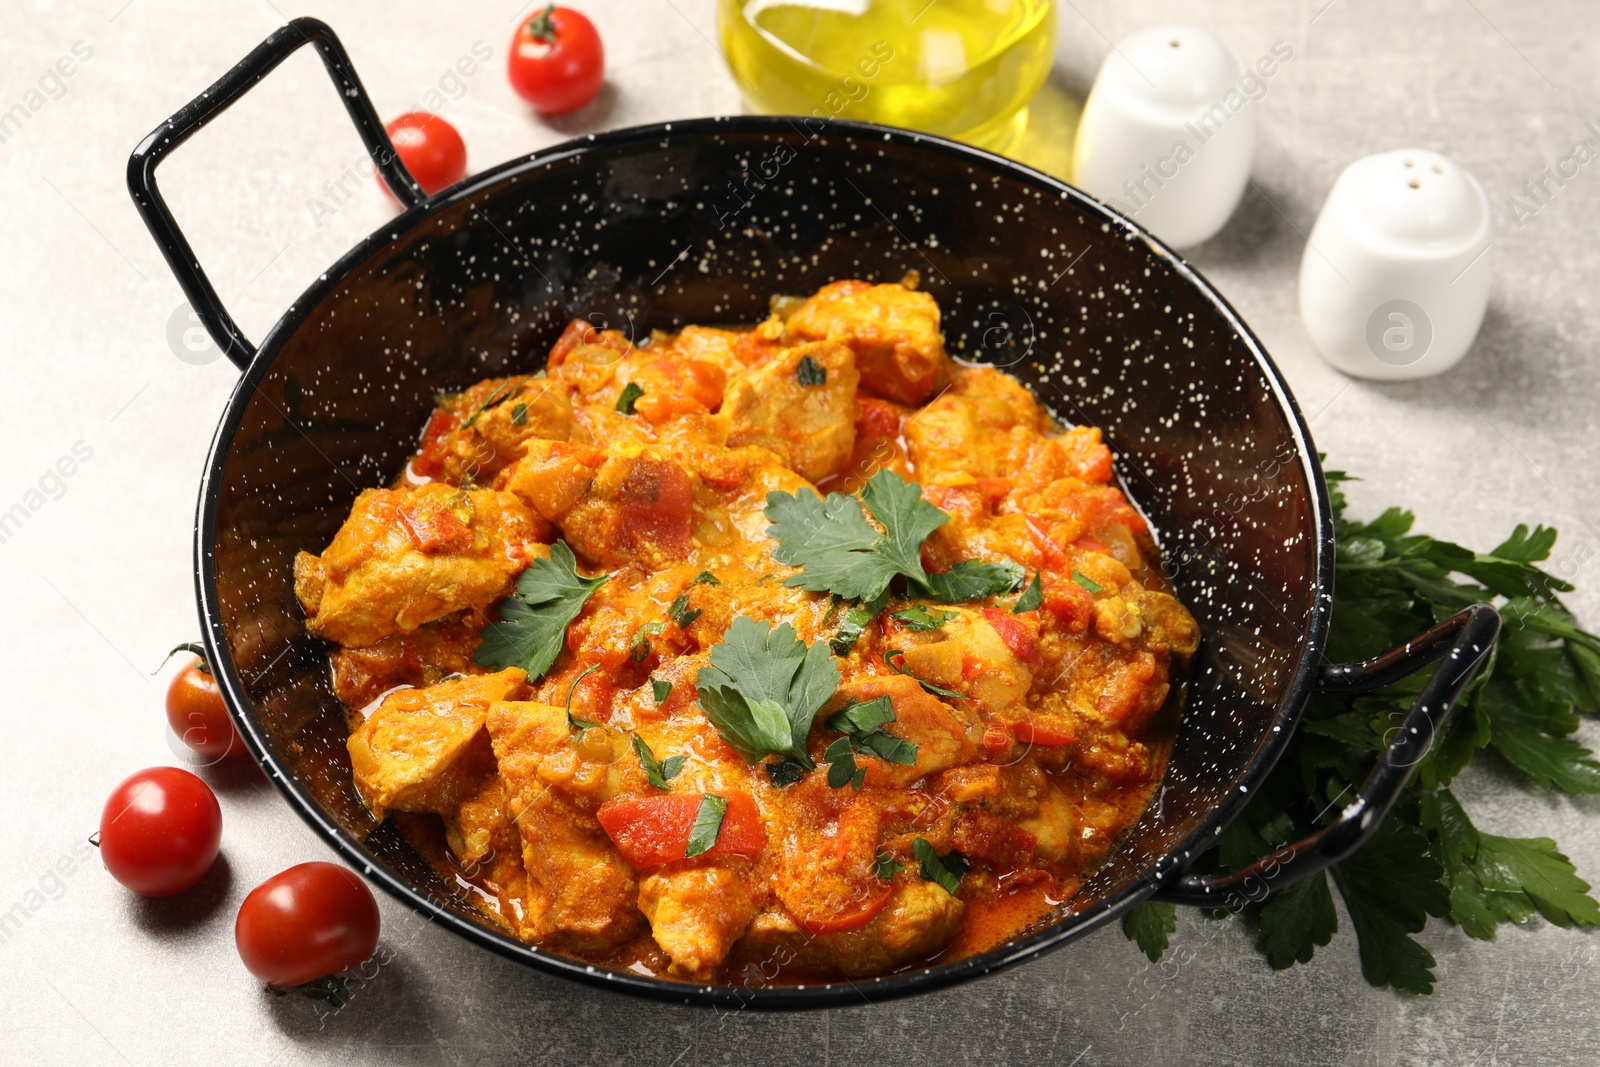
(1038, 735)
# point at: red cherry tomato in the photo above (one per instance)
(159, 831)
(430, 148)
(197, 715)
(556, 62)
(311, 920)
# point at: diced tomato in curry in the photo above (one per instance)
(1037, 735)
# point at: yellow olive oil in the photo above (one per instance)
(964, 69)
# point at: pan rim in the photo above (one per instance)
(841, 992)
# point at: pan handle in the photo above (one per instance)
(1465, 638)
(266, 56)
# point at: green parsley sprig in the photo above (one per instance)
(838, 551)
(1427, 860)
(533, 622)
(764, 688)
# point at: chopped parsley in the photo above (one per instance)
(519, 414)
(658, 773)
(1031, 597)
(572, 721)
(706, 578)
(660, 690)
(810, 372)
(854, 624)
(630, 393)
(1426, 861)
(707, 825)
(842, 769)
(945, 870)
(887, 866)
(784, 772)
(838, 551)
(680, 612)
(863, 724)
(921, 619)
(900, 668)
(764, 687)
(502, 392)
(533, 621)
(639, 647)
(1085, 581)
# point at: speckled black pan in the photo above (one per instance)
(702, 221)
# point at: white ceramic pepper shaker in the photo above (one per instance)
(1168, 132)
(1395, 277)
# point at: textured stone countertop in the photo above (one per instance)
(97, 583)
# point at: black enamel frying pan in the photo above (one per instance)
(701, 221)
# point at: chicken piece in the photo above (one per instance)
(637, 509)
(894, 332)
(480, 431)
(552, 476)
(420, 658)
(402, 756)
(988, 425)
(406, 557)
(581, 894)
(801, 405)
(944, 737)
(487, 847)
(696, 914)
(919, 919)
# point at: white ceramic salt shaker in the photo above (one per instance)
(1395, 276)
(1168, 132)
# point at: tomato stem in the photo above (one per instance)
(542, 27)
(193, 647)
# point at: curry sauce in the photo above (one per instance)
(755, 655)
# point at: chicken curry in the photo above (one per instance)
(755, 655)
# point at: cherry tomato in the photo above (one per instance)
(430, 148)
(311, 920)
(556, 62)
(159, 831)
(196, 712)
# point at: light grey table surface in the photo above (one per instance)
(97, 583)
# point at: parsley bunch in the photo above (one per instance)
(1426, 860)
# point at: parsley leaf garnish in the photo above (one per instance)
(810, 372)
(533, 621)
(519, 414)
(639, 647)
(900, 668)
(764, 687)
(784, 772)
(630, 393)
(1087, 582)
(854, 624)
(660, 690)
(838, 551)
(842, 769)
(658, 773)
(862, 724)
(887, 866)
(680, 612)
(945, 870)
(1427, 859)
(502, 392)
(1031, 597)
(707, 825)
(706, 578)
(920, 619)
(573, 721)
